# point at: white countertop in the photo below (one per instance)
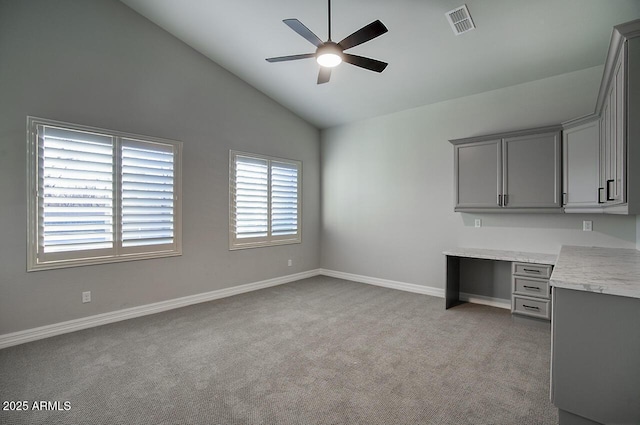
(493, 254)
(614, 271)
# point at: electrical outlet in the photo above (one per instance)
(587, 226)
(478, 222)
(86, 297)
(290, 262)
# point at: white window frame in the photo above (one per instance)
(37, 260)
(269, 240)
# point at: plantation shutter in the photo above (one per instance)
(284, 199)
(99, 196)
(147, 194)
(75, 185)
(250, 198)
(264, 201)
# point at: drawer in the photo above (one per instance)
(534, 307)
(531, 287)
(532, 270)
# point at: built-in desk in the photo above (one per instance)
(452, 290)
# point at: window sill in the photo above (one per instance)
(63, 264)
(236, 247)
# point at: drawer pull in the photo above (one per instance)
(532, 288)
(531, 270)
(530, 307)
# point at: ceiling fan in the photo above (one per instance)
(330, 54)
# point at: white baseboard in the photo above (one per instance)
(34, 334)
(393, 284)
(28, 335)
(481, 299)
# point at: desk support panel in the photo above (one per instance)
(452, 290)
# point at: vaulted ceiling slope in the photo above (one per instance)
(515, 41)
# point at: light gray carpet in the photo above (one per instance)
(317, 351)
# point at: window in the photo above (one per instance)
(264, 200)
(99, 196)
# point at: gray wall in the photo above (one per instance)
(387, 184)
(99, 63)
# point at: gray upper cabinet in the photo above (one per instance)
(581, 166)
(610, 128)
(531, 168)
(618, 106)
(478, 174)
(593, 168)
(509, 172)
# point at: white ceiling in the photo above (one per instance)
(515, 41)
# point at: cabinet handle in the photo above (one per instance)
(505, 199)
(609, 198)
(600, 189)
(530, 307)
(531, 270)
(532, 288)
(564, 198)
(499, 200)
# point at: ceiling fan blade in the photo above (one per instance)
(364, 34)
(291, 58)
(366, 63)
(324, 75)
(299, 27)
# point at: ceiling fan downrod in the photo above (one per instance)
(329, 15)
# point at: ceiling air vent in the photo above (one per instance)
(460, 20)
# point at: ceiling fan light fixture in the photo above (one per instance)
(329, 60)
(329, 55)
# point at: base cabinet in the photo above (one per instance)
(530, 292)
(595, 357)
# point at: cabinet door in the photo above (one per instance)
(613, 140)
(531, 171)
(478, 173)
(602, 169)
(613, 146)
(610, 146)
(581, 156)
(605, 148)
(618, 121)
